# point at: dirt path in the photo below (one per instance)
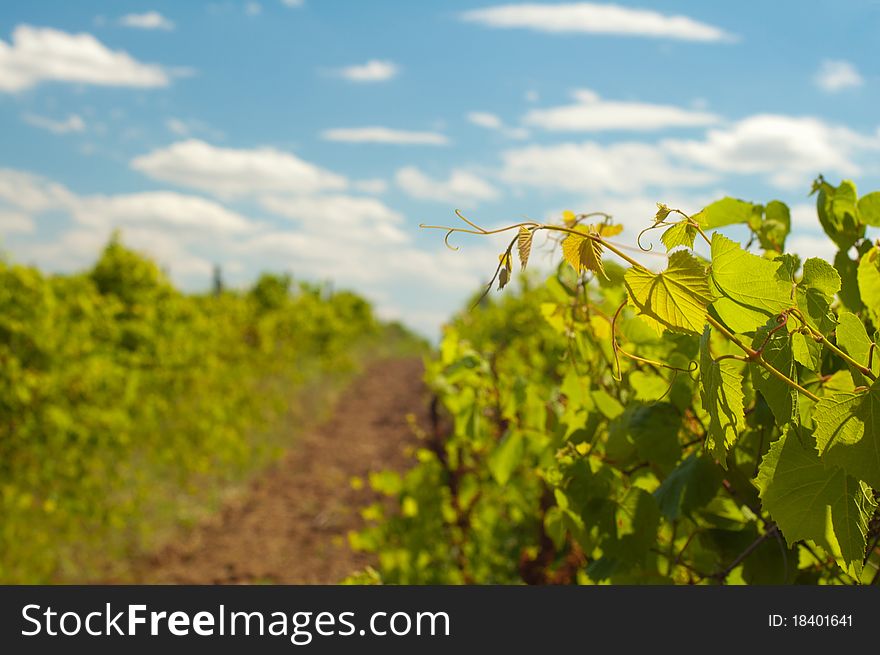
(291, 526)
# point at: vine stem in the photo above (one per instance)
(758, 358)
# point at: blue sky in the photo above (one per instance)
(315, 136)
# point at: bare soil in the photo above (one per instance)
(291, 525)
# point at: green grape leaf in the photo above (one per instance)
(722, 396)
(869, 209)
(506, 457)
(775, 227)
(691, 485)
(653, 430)
(750, 288)
(815, 293)
(777, 351)
(852, 338)
(848, 432)
(680, 234)
(838, 213)
(806, 351)
(726, 211)
(869, 282)
(676, 298)
(648, 386)
(849, 285)
(637, 518)
(810, 500)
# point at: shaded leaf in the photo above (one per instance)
(809, 500)
(722, 396)
(848, 432)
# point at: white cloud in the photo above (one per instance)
(12, 222)
(836, 75)
(72, 123)
(375, 70)
(373, 185)
(808, 245)
(462, 188)
(804, 218)
(384, 135)
(590, 113)
(169, 226)
(159, 208)
(185, 128)
(492, 122)
(38, 55)
(788, 150)
(485, 119)
(345, 217)
(231, 172)
(593, 18)
(32, 193)
(151, 20)
(625, 167)
(253, 8)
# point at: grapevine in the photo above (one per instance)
(711, 422)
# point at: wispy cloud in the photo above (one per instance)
(492, 122)
(38, 55)
(594, 18)
(837, 75)
(375, 70)
(234, 172)
(374, 134)
(785, 149)
(72, 123)
(625, 167)
(253, 8)
(293, 3)
(462, 188)
(590, 113)
(151, 20)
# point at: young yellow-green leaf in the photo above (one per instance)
(524, 245)
(869, 209)
(606, 230)
(869, 282)
(583, 253)
(676, 298)
(505, 270)
(662, 212)
(848, 432)
(809, 500)
(722, 395)
(750, 288)
(568, 217)
(777, 351)
(726, 211)
(680, 234)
